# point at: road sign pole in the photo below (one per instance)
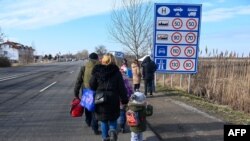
(189, 79)
(180, 80)
(155, 82)
(163, 77)
(171, 80)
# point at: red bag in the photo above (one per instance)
(76, 109)
(132, 118)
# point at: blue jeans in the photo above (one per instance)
(122, 118)
(136, 136)
(106, 126)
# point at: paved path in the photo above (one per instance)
(176, 121)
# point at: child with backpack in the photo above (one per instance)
(138, 109)
(122, 117)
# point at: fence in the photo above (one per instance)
(221, 80)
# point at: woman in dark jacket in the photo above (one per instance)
(107, 77)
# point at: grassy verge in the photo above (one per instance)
(223, 112)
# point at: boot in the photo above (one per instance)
(112, 135)
(122, 128)
(107, 139)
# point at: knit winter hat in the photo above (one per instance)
(138, 97)
(93, 56)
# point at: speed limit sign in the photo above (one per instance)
(188, 65)
(174, 64)
(177, 23)
(175, 51)
(176, 37)
(190, 37)
(191, 24)
(189, 51)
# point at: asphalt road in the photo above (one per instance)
(35, 103)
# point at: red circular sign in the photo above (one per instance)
(176, 37)
(175, 51)
(191, 24)
(188, 65)
(189, 51)
(177, 23)
(190, 37)
(174, 64)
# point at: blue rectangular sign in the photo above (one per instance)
(176, 37)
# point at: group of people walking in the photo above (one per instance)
(106, 76)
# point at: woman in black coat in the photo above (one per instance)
(107, 77)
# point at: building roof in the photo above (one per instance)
(16, 45)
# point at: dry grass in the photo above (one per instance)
(220, 80)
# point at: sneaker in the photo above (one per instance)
(113, 135)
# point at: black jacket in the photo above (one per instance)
(108, 78)
(148, 68)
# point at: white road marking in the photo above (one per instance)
(71, 71)
(47, 87)
(12, 77)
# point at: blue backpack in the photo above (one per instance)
(129, 73)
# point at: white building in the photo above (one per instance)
(9, 50)
(16, 52)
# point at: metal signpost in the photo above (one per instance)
(176, 37)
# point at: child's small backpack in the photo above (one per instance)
(132, 118)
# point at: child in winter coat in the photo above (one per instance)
(138, 109)
(122, 118)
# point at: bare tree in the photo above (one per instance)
(83, 54)
(50, 57)
(101, 50)
(1, 35)
(132, 25)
